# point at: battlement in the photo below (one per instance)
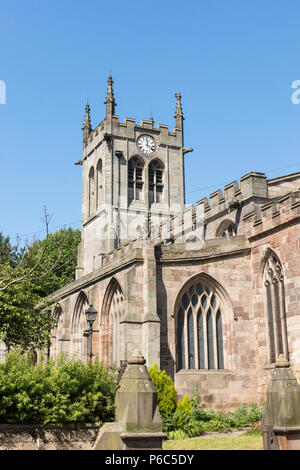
(275, 212)
(252, 185)
(189, 225)
(121, 251)
(128, 129)
(145, 124)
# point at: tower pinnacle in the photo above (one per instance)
(110, 99)
(87, 127)
(178, 113)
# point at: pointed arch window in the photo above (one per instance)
(112, 332)
(79, 328)
(57, 331)
(116, 313)
(226, 229)
(199, 329)
(91, 192)
(135, 179)
(275, 306)
(99, 184)
(156, 169)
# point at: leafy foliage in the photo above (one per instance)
(184, 405)
(190, 419)
(58, 254)
(26, 278)
(21, 322)
(182, 421)
(166, 393)
(8, 252)
(57, 392)
(177, 435)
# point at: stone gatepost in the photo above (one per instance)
(138, 423)
(281, 418)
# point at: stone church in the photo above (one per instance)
(211, 292)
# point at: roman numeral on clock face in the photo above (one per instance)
(146, 144)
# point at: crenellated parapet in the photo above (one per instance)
(274, 213)
(129, 129)
(250, 194)
(122, 251)
(190, 224)
(178, 226)
(253, 187)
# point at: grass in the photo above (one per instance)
(240, 442)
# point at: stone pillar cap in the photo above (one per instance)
(137, 358)
(282, 361)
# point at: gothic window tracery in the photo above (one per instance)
(57, 331)
(275, 305)
(79, 327)
(135, 179)
(226, 229)
(116, 313)
(200, 329)
(112, 331)
(156, 186)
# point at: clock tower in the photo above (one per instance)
(132, 180)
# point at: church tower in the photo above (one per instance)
(132, 180)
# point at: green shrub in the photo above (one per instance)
(184, 405)
(195, 401)
(245, 416)
(194, 428)
(57, 392)
(222, 421)
(217, 425)
(181, 421)
(201, 414)
(191, 419)
(174, 421)
(177, 435)
(166, 393)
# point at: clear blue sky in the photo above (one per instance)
(233, 61)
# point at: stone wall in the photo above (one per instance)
(36, 437)
(231, 275)
(276, 228)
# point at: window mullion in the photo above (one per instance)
(196, 346)
(213, 315)
(272, 286)
(283, 316)
(186, 343)
(204, 311)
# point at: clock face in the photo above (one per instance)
(146, 144)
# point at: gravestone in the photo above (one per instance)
(138, 422)
(281, 418)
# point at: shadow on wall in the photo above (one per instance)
(167, 361)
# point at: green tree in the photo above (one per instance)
(58, 253)
(21, 321)
(8, 252)
(42, 267)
